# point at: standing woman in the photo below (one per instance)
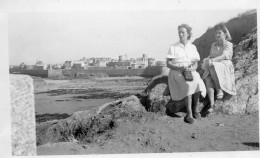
(218, 68)
(183, 56)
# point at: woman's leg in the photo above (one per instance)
(195, 101)
(214, 76)
(188, 101)
(210, 90)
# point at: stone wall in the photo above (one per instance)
(53, 73)
(150, 71)
(147, 72)
(37, 73)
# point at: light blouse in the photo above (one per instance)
(181, 55)
(226, 49)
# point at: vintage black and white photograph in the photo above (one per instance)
(132, 77)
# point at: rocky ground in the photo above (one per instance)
(156, 134)
(124, 126)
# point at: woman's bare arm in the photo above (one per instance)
(219, 58)
(174, 67)
(193, 66)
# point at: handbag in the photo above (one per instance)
(187, 75)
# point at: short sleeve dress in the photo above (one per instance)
(179, 87)
(224, 69)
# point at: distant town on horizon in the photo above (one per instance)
(123, 62)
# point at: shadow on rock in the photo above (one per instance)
(114, 95)
(156, 98)
(252, 144)
(47, 117)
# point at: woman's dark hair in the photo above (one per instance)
(188, 28)
(222, 27)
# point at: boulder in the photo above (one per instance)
(22, 115)
(157, 100)
(63, 130)
(156, 97)
(246, 100)
(84, 125)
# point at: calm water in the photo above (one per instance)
(45, 103)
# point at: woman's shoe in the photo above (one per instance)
(188, 119)
(220, 94)
(196, 115)
(209, 111)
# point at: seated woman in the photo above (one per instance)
(183, 56)
(218, 68)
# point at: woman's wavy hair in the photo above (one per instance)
(222, 27)
(188, 28)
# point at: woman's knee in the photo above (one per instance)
(209, 81)
(188, 99)
(211, 68)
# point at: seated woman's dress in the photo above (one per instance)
(224, 69)
(179, 87)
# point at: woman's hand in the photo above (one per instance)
(192, 67)
(209, 62)
(183, 68)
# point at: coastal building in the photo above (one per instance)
(49, 66)
(160, 63)
(78, 65)
(118, 64)
(142, 62)
(68, 64)
(151, 61)
(101, 64)
(40, 65)
(56, 66)
(121, 58)
(138, 66)
(29, 67)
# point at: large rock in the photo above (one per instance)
(23, 115)
(84, 125)
(156, 97)
(63, 130)
(243, 30)
(245, 61)
(157, 100)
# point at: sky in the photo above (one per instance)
(102, 29)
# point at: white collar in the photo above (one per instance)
(187, 44)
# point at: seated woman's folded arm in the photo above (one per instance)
(174, 67)
(193, 66)
(227, 53)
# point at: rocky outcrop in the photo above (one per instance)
(238, 27)
(85, 125)
(245, 60)
(156, 97)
